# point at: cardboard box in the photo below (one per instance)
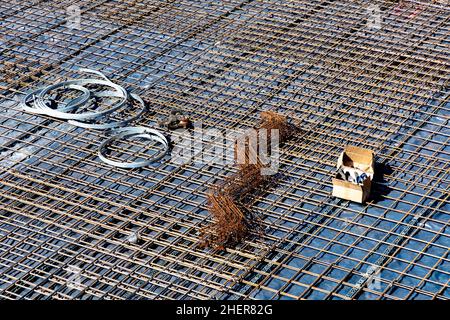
(361, 159)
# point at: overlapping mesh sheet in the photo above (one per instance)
(66, 218)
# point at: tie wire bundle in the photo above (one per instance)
(39, 102)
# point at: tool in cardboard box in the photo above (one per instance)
(352, 175)
(355, 171)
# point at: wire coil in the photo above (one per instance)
(135, 132)
(37, 103)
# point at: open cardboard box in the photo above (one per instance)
(359, 158)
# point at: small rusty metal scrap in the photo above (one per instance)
(176, 120)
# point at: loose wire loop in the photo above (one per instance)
(136, 132)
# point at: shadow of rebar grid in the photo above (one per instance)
(369, 73)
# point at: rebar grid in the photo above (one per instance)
(223, 62)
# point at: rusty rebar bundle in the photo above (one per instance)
(230, 201)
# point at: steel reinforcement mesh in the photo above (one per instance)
(66, 218)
